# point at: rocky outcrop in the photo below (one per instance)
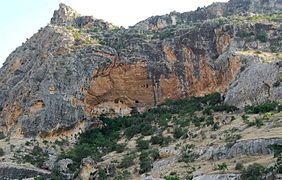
(64, 15)
(218, 176)
(216, 10)
(78, 68)
(15, 171)
(88, 167)
(241, 148)
(256, 84)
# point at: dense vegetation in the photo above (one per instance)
(100, 141)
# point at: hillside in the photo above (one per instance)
(182, 95)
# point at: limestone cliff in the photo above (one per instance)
(79, 67)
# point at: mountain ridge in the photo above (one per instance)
(193, 95)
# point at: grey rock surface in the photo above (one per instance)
(255, 85)
(218, 177)
(15, 171)
(63, 165)
(245, 147)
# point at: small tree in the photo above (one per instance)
(239, 166)
(253, 172)
(262, 36)
(142, 144)
(127, 161)
(145, 162)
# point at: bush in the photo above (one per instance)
(133, 130)
(241, 33)
(276, 148)
(171, 178)
(279, 109)
(215, 126)
(253, 172)
(221, 167)
(178, 133)
(262, 108)
(154, 154)
(197, 121)
(146, 129)
(211, 99)
(102, 174)
(157, 139)
(239, 166)
(220, 108)
(209, 121)
(36, 157)
(186, 158)
(143, 144)
(119, 148)
(145, 162)
(262, 36)
(232, 138)
(127, 161)
(1, 152)
(2, 135)
(259, 122)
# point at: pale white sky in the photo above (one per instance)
(20, 19)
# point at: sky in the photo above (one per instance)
(20, 19)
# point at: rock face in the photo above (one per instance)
(219, 176)
(216, 10)
(79, 67)
(256, 84)
(11, 171)
(248, 148)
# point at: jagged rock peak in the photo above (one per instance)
(64, 15)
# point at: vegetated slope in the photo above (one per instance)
(66, 94)
(195, 137)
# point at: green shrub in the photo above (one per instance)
(171, 178)
(197, 121)
(215, 126)
(221, 167)
(143, 144)
(245, 119)
(157, 139)
(119, 148)
(239, 166)
(186, 158)
(145, 162)
(262, 36)
(211, 99)
(259, 122)
(243, 34)
(1, 152)
(220, 108)
(154, 154)
(262, 108)
(178, 133)
(279, 109)
(2, 135)
(209, 121)
(276, 148)
(36, 157)
(146, 129)
(253, 172)
(102, 174)
(232, 138)
(127, 161)
(133, 130)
